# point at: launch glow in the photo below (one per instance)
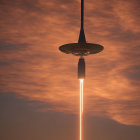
(81, 106)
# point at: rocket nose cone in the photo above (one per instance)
(81, 68)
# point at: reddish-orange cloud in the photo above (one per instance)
(33, 68)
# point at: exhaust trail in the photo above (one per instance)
(81, 107)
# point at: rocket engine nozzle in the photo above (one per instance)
(81, 68)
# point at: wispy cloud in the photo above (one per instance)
(33, 67)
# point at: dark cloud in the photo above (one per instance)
(19, 120)
(132, 72)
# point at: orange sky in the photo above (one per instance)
(34, 69)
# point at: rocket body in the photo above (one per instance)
(81, 68)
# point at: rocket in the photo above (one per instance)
(82, 47)
(81, 68)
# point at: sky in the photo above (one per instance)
(39, 89)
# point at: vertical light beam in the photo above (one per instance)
(81, 106)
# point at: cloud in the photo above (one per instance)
(33, 67)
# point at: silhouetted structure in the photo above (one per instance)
(82, 48)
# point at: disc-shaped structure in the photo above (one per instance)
(81, 49)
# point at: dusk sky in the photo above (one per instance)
(39, 89)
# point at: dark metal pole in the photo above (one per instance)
(82, 14)
(82, 38)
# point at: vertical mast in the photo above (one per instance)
(82, 38)
(82, 14)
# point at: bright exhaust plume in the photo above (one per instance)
(81, 106)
